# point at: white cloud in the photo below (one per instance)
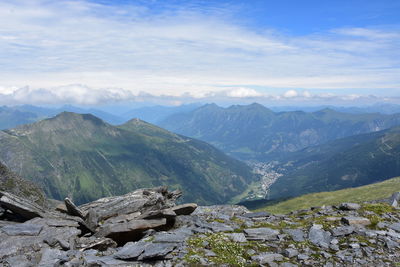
(46, 44)
(243, 93)
(73, 94)
(290, 94)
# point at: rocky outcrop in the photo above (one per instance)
(147, 228)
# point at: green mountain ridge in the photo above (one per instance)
(348, 162)
(83, 157)
(256, 132)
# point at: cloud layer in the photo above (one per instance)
(48, 44)
(84, 95)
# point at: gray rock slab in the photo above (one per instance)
(171, 237)
(131, 250)
(22, 229)
(93, 260)
(351, 220)
(184, 209)
(256, 214)
(349, 206)
(156, 251)
(319, 237)
(263, 234)
(52, 257)
(24, 208)
(131, 230)
(395, 199)
(395, 226)
(267, 257)
(296, 234)
(18, 260)
(290, 252)
(237, 237)
(343, 230)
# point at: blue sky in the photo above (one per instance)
(280, 52)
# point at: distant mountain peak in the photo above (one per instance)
(72, 116)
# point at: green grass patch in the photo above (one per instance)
(357, 195)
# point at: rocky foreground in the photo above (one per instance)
(146, 228)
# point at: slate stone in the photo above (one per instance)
(303, 257)
(267, 257)
(296, 234)
(319, 237)
(354, 245)
(156, 251)
(256, 214)
(217, 227)
(132, 230)
(184, 209)
(24, 208)
(350, 220)
(52, 257)
(290, 252)
(395, 199)
(141, 201)
(343, 230)
(18, 260)
(157, 214)
(395, 226)
(131, 250)
(349, 206)
(93, 260)
(237, 237)
(174, 237)
(72, 209)
(22, 229)
(263, 234)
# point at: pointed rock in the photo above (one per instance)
(72, 209)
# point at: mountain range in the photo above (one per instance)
(85, 158)
(254, 132)
(348, 162)
(11, 117)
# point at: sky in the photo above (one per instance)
(173, 52)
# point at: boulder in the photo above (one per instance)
(351, 220)
(156, 251)
(184, 209)
(349, 206)
(395, 199)
(296, 234)
(290, 252)
(131, 250)
(142, 201)
(319, 237)
(343, 230)
(263, 234)
(395, 226)
(128, 231)
(24, 208)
